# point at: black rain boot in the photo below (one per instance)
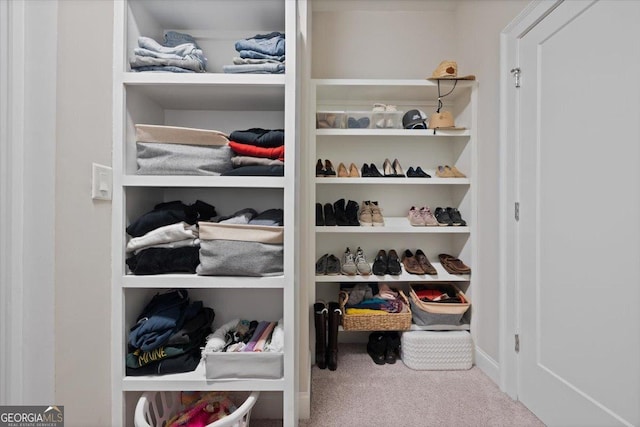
(393, 347)
(376, 347)
(319, 216)
(320, 320)
(351, 212)
(340, 213)
(329, 215)
(335, 314)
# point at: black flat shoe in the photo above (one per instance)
(365, 172)
(411, 173)
(421, 173)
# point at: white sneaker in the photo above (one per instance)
(361, 263)
(349, 264)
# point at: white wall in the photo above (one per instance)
(83, 226)
(479, 24)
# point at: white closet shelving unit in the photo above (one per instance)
(396, 196)
(212, 100)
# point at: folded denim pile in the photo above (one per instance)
(242, 335)
(258, 152)
(260, 54)
(168, 335)
(178, 53)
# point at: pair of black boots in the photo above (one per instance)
(327, 319)
(337, 214)
(384, 347)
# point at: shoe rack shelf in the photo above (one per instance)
(211, 100)
(395, 181)
(393, 225)
(395, 195)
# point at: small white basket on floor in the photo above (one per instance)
(154, 408)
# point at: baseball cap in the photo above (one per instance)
(414, 119)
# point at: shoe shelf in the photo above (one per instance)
(413, 327)
(393, 225)
(196, 380)
(442, 276)
(202, 181)
(396, 181)
(193, 281)
(428, 133)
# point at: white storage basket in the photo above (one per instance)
(437, 350)
(154, 408)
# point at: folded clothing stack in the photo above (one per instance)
(373, 299)
(168, 335)
(179, 53)
(260, 54)
(258, 152)
(165, 240)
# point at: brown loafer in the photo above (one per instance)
(424, 263)
(454, 265)
(411, 264)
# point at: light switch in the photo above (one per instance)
(102, 182)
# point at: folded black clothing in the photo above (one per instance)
(163, 260)
(186, 362)
(257, 170)
(191, 327)
(170, 213)
(269, 217)
(259, 137)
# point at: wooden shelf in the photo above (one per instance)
(394, 225)
(203, 181)
(193, 281)
(395, 181)
(422, 133)
(442, 276)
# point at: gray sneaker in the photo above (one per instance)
(349, 264)
(361, 263)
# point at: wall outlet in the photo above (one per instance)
(102, 182)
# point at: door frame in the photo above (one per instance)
(12, 40)
(509, 312)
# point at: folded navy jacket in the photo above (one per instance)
(170, 213)
(259, 137)
(160, 319)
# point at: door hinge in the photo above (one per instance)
(516, 211)
(517, 343)
(516, 74)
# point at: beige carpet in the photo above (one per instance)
(362, 394)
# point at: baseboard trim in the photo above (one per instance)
(487, 365)
(304, 405)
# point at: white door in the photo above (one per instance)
(578, 236)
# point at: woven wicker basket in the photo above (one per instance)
(375, 322)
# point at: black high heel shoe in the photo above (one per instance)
(328, 168)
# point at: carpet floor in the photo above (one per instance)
(362, 394)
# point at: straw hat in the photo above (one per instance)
(442, 120)
(448, 70)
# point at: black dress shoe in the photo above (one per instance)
(393, 264)
(411, 173)
(380, 263)
(365, 171)
(421, 173)
(374, 172)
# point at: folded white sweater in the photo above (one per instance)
(166, 234)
